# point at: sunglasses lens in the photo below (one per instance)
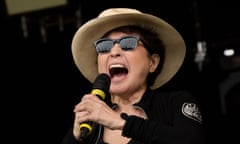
(103, 46)
(128, 43)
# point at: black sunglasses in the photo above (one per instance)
(126, 43)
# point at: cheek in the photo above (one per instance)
(101, 64)
(140, 58)
(141, 63)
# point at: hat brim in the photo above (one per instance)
(85, 56)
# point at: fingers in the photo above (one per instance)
(91, 108)
(88, 108)
(87, 102)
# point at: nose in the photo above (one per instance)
(116, 50)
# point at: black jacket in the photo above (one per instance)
(173, 118)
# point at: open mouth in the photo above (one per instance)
(118, 70)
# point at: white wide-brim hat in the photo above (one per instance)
(85, 56)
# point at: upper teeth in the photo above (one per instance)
(116, 65)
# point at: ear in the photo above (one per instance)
(155, 59)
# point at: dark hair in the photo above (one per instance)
(152, 43)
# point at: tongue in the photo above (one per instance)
(118, 77)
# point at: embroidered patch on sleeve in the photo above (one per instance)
(192, 111)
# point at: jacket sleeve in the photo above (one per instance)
(183, 126)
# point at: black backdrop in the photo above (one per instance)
(41, 84)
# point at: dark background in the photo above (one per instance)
(41, 84)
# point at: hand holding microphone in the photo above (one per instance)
(100, 88)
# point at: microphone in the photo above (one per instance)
(100, 88)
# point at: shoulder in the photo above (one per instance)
(180, 101)
(180, 95)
